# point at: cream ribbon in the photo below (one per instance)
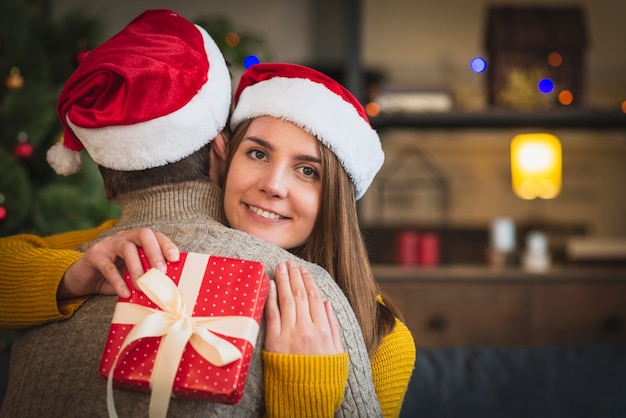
(175, 323)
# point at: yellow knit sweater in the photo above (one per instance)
(31, 268)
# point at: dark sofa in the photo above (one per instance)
(574, 381)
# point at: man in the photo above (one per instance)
(146, 105)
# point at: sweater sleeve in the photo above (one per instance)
(313, 386)
(392, 366)
(31, 269)
(304, 385)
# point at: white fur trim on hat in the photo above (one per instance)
(323, 113)
(169, 138)
(63, 160)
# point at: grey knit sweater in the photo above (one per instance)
(54, 367)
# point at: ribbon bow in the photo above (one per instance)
(176, 324)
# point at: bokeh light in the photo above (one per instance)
(250, 60)
(232, 39)
(545, 86)
(555, 59)
(536, 166)
(372, 109)
(566, 97)
(624, 106)
(478, 64)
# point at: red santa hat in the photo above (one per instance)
(153, 94)
(318, 104)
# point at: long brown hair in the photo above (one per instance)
(337, 245)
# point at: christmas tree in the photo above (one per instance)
(37, 55)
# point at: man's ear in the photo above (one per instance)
(220, 146)
(219, 152)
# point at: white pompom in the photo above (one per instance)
(63, 160)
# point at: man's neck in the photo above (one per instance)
(192, 201)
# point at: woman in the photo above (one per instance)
(281, 184)
(302, 153)
(332, 239)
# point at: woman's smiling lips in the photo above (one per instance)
(264, 213)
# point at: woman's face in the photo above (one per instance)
(274, 183)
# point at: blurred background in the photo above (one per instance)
(447, 84)
(498, 218)
(446, 117)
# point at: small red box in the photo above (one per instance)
(214, 289)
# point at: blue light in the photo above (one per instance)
(478, 64)
(545, 86)
(250, 61)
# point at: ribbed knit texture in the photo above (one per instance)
(304, 386)
(54, 367)
(392, 366)
(24, 258)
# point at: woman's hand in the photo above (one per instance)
(99, 270)
(299, 321)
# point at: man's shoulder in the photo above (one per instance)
(260, 250)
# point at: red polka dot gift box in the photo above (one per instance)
(189, 333)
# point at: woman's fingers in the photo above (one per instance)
(100, 270)
(300, 295)
(335, 329)
(316, 312)
(272, 319)
(299, 321)
(286, 301)
(156, 246)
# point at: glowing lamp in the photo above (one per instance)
(536, 164)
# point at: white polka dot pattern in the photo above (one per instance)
(230, 287)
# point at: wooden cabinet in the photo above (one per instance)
(477, 306)
(578, 312)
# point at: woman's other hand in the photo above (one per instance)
(299, 320)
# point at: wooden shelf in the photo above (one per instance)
(569, 118)
(479, 273)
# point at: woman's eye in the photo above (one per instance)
(309, 172)
(257, 154)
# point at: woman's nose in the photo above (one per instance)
(274, 182)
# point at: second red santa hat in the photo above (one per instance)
(318, 104)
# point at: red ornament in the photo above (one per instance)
(23, 150)
(3, 213)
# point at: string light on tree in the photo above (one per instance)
(38, 52)
(14, 80)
